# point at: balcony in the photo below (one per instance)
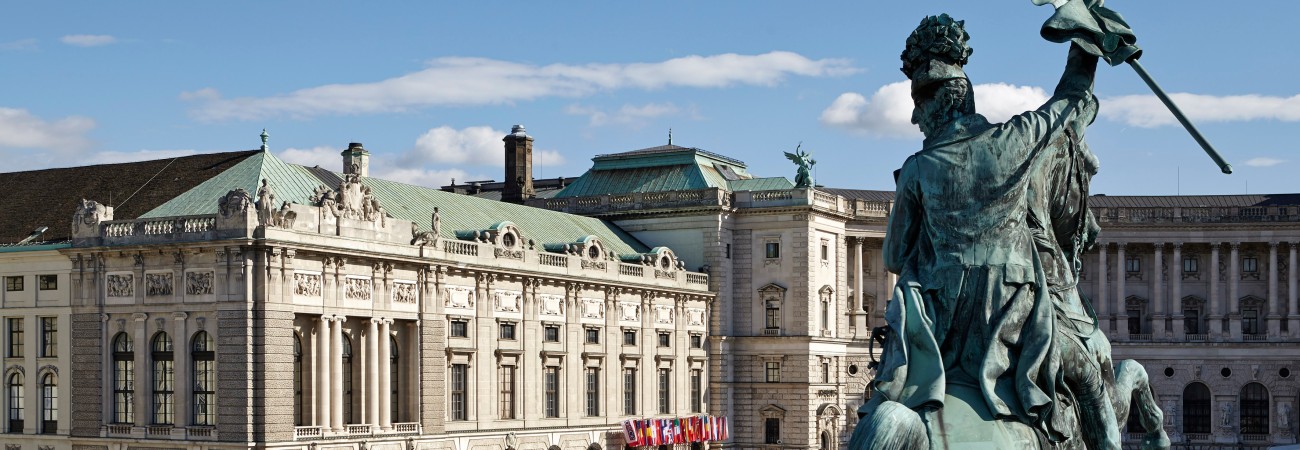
(317, 432)
(771, 332)
(1196, 337)
(1254, 337)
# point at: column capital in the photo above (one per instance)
(1272, 245)
(385, 321)
(1236, 245)
(376, 320)
(339, 318)
(139, 317)
(1177, 245)
(1160, 246)
(180, 316)
(1121, 245)
(326, 319)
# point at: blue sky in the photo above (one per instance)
(430, 88)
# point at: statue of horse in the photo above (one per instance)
(964, 422)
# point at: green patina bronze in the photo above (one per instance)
(989, 343)
(803, 160)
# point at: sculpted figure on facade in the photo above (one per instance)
(235, 201)
(198, 283)
(265, 204)
(988, 226)
(352, 200)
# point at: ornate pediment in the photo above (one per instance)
(771, 292)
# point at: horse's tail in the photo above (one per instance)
(1131, 384)
(891, 426)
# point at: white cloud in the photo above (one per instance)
(21, 129)
(1147, 111)
(631, 115)
(326, 157)
(114, 157)
(1263, 162)
(998, 102)
(206, 93)
(888, 113)
(19, 45)
(453, 81)
(88, 40)
(479, 145)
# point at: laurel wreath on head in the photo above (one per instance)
(937, 37)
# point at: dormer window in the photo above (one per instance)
(508, 240)
(593, 252)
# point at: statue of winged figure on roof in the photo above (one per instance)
(802, 159)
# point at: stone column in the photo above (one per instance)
(1216, 298)
(859, 303)
(1176, 292)
(1234, 285)
(1158, 316)
(336, 383)
(373, 390)
(1293, 316)
(1102, 304)
(181, 360)
(1121, 305)
(323, 370)
(385, 376)
(143, 379)
(884, 289)
(1274, 319)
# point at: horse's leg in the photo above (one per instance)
(1130, 380)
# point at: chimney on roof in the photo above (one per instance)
(356, 160)
(519, 167)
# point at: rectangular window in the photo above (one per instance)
(1250, 264)
(826, 372)
(697, 391)
(665, 383)
(1132, 264)
(552, 386)
(593, 335)
(665, 339)
(48, 282)
(1134, 321)
(728, 251)
(773, 250)
(49, 337)
(14, 283)
(773, 316)
(697, 341)
(1191, 264)
(508, 331)
(15, 337)
(826, 251)
(507, 394)
(459, 328)
(826, 315)
(1192, 321)
(773, 372)
(772, 430)
(459, 391)
(1249, 321)
(629, 337)
(629, 391)
(593, 392)
(552, 333)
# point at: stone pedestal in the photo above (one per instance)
(1180, 332)
(1234, 327)
(1215, 330)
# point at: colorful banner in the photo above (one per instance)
(678, 430)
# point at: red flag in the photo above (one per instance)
(629, 433)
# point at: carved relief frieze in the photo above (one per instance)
(594, 265)
(121, 285)
(307, 284)
(158, 284)
(593, 308)
(458, 297)
(508, 254)
(664, 314)
(404, 292)
(198, 283)
(695, 316)
(507, 301)
(551, 305)
(356, 288)
(629, 311)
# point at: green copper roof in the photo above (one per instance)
(296, 184)
(762, 184)
(657, 169)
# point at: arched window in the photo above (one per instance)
(49, 404)
(1196, 409)
(825, 440)
(393, 381)
(15, 408)
(123, 379)
(347, 379)
(203, 365)
(1254, 409)
(297, 380)
(164, 379)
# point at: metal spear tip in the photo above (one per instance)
(1227, 169)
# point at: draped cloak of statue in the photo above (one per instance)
(988, 219)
